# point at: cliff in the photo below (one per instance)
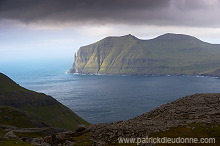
(173, 54)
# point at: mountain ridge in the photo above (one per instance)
(168, 54)
(173, 36)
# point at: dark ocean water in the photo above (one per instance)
(98, 98)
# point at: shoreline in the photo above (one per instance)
(196, 75)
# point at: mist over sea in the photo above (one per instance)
(98, 98)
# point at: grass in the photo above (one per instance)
(30, 134)
(8, 85)
(2, 132)
(82, 140)
(19, 118)
(195, 130)
(57, 116)
(37, 132)
(10, 142)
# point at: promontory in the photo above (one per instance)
(168, 54)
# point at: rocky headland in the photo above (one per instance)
(168, 54)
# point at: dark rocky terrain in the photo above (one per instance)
(196, 115)
(198, 108)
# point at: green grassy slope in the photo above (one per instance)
(16, 117)
(166, 54)
(8, 85)
(47, 108)
(195, 130)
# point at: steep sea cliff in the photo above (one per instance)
(168, 54)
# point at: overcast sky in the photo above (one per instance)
(40, 29)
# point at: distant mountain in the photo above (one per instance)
(173, 54)
(25, 108)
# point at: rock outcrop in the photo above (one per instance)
(198, 108)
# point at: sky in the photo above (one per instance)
(55, 29)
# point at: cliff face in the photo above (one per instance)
(167, 54)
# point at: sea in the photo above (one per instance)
(105, 98)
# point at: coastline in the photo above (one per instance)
(196, 75)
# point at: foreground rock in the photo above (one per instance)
(198, 108)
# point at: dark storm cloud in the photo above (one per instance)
(151, 12)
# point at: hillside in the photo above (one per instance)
(173, 54)
(19, 118)
(32, 109)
